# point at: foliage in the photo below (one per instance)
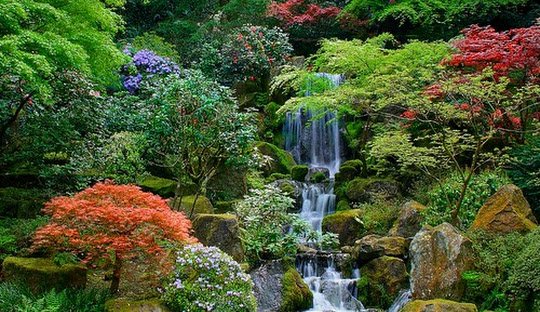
(377, 217)
(196, 126)
(17, 298)
(443, 196)
(207, 279)
(16, 234)
(152, 42)
(107, 224)
(523, 279)
(524, 170)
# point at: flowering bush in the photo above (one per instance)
(146, 64)
(207, 279)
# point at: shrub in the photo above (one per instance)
(207, 279)
(145, 64)
(108, 224)
(524, 277)
(442, 197)
(377, 217)
(16, 234)
(524, 170)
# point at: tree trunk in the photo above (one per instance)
(115, 282)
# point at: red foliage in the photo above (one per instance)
(298, 12)
(515, 49)
(409, 114)
(108, 222)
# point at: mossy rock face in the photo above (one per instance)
(229, 183)
(382, 279)
(438, 305)
(225, 206)
(159, 186)
(125, 305)
(299, 173)
(277, 176)
(22, 203)
(296, 294)
(370, 189)
(344, 224)
(409, 221)
(219, 230)
(202, 205)
(506, 211)
(281, 162)
(374, 246)
(346, 173)
(41, 274)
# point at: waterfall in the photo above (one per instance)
(313, 138)
(401, 300)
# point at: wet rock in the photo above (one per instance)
(438, 305)
(409, 221)
(371, 189)
(375, 246)
(506, 211)
(381, 281)
(125, 305)
(345, 224)
(278, 287)
(42, 274)
(439, 256)
(219, 230)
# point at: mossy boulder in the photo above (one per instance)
(343, 205)
(346, 173)
(219, 230)
(382, 279)
(299, 172)
(506, 211)
(22, 203)
(281, 161)
(126, 305)
(277, 176)
(41, 274)
(202, 205)
(224, 206)
(438, 305)
(345, 224)
(374, 246)
(229, 183)
(159, 186)
(371, 189)
(409, 221)
(279, 287)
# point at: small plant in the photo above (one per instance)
(377, 217)
(207, 279)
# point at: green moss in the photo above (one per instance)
(281, 162)
(359, 188)
(203, 205)
(162, 187)
(220, 230)
(42, 274)
(224, 206)
(382, 279)
(299, 172)
(277, 176)
(22, 203)
(438, 305)
(295, 293)
(355, 163)
(318, 177)
(343, 205)
(345, 224)
(229, 183)
(287, 188)
(125, 305)
(346, 173)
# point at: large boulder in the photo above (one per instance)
(41, 274)
(382, 280)
(409, 221)
(439, 256)
(125, 305)
(345, 224)
(219, 230)
(203, 205)
(438, 305)
(160, 186)
(279, 288)
(280, 160)
(371, 189)
(375, 246)
(506, 211)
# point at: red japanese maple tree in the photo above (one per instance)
(110, 223)
(299, 12)
(508, 51)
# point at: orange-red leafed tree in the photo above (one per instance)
(108, 224)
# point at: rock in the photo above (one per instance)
(318, 175)
(291, 188)
(125, 305)
(299, 173)
(203, 205)
(506, 211)
(41, 274)
(439, 256)
(409, 221)
(438, 305)
(371, 189)
(219, 230)
(279, 288)
(159, 186)
(346, 173)
(229, 182)
(374, 246)
(281, 161)
(345, 224)
(381, 281)
(224, 206)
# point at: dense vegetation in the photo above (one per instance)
(123, 121)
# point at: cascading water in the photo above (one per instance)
(313, 138)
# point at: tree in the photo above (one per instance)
(195, 127)
(108, 224)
